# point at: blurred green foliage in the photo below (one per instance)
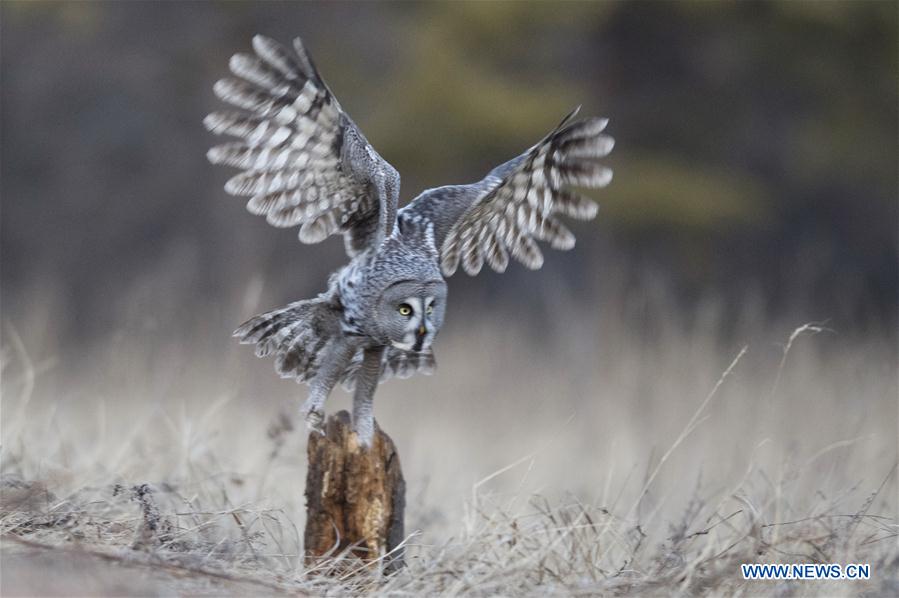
(664, 192)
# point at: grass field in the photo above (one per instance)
(628, 453)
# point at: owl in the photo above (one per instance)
(304, 162)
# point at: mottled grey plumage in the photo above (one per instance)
(305, 163)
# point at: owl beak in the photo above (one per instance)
(419, 337)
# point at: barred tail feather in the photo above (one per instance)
(395, 363)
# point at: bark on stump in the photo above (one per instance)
(355, 498)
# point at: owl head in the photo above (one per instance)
(410, 299)
(410, 313)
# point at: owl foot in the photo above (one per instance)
(315, 419)
(365, 431)
(364, 441)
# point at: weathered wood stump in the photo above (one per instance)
(355, 497)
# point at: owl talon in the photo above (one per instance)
(365, 431)
(315, 421)
(365, 440)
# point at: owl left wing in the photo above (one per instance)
(519, 202)
(304, 161)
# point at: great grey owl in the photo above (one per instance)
(305, 162)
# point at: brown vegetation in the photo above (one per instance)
(787, 459)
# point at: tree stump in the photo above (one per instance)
(355, 498)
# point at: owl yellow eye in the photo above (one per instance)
(430, 309)
(405, 309)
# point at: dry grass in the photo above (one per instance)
(654, 464)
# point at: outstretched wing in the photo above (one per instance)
(304, 161)
(519, 202)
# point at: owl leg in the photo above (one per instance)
(333, 365)
(363, 399)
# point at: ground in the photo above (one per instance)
(666, 480)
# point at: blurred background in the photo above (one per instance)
(755, 190)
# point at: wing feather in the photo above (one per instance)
(520, 201)
(303, 160)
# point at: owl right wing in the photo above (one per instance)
(519, 202)
(303, 159)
